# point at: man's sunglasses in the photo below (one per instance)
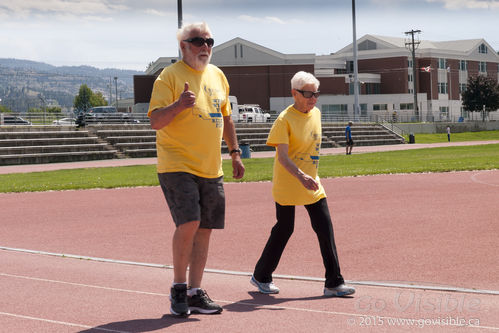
(309, 94)
(200, 41)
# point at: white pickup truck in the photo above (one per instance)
(252, 114)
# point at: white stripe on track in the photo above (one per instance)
(277, 276)
(59, 322)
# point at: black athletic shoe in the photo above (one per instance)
(178, 298)
(202, 303)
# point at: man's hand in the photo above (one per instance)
(237, 167)
(187, 98)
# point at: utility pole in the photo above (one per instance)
(355, 68)
(412, 45)
(116, 83)
(179, 16)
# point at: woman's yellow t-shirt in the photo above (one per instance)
(302, 132)
(191, 142)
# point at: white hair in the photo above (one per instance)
(302, 78)
(185, 31)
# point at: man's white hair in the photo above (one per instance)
(302, 78)
(184, 32)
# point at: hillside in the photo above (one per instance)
(24, 83)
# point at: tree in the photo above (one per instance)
(4, 109)
(481, 95)
(86, 99)
(82, 100)
(98, 99)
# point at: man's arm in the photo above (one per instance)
(163, 116)
(282, 155)
(231, 141)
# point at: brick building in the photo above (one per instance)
(259, 75)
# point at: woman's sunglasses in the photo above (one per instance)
(200, 41)
(309, 94)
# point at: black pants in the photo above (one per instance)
(282, 231)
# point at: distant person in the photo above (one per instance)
(348, 138)
(448, 133)
(296, 134)
(190, 111)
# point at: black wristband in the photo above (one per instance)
(235, 151)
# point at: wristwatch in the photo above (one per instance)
(235, 151)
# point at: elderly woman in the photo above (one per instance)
(296, 134)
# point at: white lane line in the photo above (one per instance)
(82, 285)
(263, 306)
(478, 181)
(64, 323)
(277, 276)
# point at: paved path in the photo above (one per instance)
(152, 160)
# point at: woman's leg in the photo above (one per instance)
(279, 236)
(323, 227)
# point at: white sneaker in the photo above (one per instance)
(265, 288)
(339, 291)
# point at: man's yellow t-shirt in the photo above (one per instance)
(302, 133)
(191, 142)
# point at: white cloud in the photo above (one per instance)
(156, 12)
(77, 7)
(274, 19)
(266, 19)
(469, 4)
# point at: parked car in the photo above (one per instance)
(108, 114)
(15, 120)
(64, 121)
(252, 114)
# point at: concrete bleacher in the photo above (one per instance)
(49, 144)
(46, 144)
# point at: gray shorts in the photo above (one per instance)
(193, 198)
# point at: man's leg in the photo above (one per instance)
(199, 255)
(183, 240)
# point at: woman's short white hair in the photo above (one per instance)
(302, 78)
(184, 32)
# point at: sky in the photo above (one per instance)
(130, 34)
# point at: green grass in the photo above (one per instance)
(481, 157)
(455, 137)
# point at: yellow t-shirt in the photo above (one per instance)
(191, 142)
(302, 133)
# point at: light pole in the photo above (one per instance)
(355, 68)
(179, 16)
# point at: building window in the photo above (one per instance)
(442, 63)
(406, 106)
(380, 107)
(482, 49)
(409, 78)
(462, 87)
(442, 88)
(463, 65)
(363, 110)
(444, 111)
(334, 110)
(409, 63)
(482, 67)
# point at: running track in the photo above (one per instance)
(420, 248)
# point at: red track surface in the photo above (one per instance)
(422, 229)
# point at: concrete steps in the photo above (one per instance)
(47, 144)
(44, 144)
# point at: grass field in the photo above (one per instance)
(455, 137)
(481, 157)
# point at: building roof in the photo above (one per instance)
(370, 46)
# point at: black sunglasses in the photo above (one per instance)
(309, 94)
(200, 41)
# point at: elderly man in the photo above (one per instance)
(190, 111)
